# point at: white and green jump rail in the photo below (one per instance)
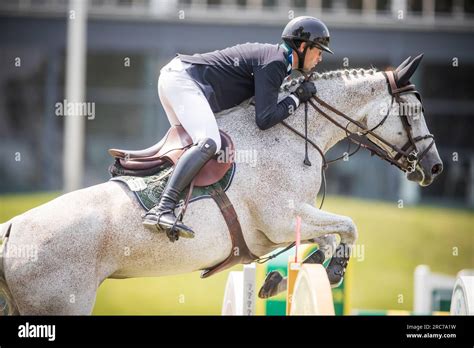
(431, 289)
(310, 295)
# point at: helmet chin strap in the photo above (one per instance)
(301, 57)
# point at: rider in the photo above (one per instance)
(193, 88)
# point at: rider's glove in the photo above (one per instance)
(305, 91)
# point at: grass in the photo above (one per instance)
(393, 240)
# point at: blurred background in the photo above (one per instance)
(125, 44)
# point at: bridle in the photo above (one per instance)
(409, 151)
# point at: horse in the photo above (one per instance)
(83, 237)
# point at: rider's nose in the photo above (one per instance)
(437, 169)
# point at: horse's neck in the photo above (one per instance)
(354, 95)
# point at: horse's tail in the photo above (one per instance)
(7, 304)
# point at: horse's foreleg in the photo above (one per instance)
(320, 227)
(317, 223)
(325, 223)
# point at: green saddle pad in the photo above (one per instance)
(148, 189)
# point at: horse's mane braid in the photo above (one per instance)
(328, 75)
(342, 72)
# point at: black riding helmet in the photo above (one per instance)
(306, 29)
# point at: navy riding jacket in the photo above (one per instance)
(228, 77)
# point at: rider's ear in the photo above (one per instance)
(403, 76)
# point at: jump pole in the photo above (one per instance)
(308, 288)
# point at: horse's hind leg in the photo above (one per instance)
(7, 304)
(61, 303)
(54, 296)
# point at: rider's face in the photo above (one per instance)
(313, 57)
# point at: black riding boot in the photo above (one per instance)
(162, 217)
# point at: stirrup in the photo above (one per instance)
(173, 232)
(154, 224)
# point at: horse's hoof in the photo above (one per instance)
(338, 284)
(335, 275)
(338, 264)
(317, 257)
(270, 285)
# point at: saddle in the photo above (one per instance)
(168, 151)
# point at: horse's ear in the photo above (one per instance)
(403, 76)
(401, 66)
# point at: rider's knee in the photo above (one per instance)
(209, 145)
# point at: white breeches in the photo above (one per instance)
(185, 103)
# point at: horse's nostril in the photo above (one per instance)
(437, 169)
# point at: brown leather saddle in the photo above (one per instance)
(168, 151)
(170, 148)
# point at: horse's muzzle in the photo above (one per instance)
(426, 171)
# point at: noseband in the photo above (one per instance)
(409, 151)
